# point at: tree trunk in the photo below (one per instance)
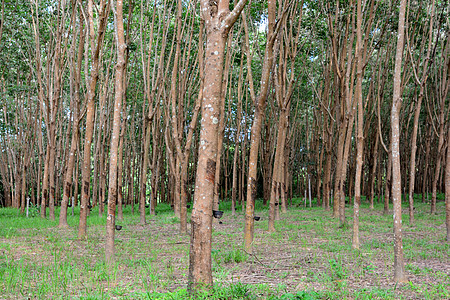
(218, 21)
(373, 170)
(278, 169)
(387, 194)
(399, 264)
(45, 185)
(359, 127)
(426, 162)
(23, 186)
(68, 179)
(234, 187)
(201, 219)
(447, 187)
(120, 165)
(143, 181)
(412, 164)
(441, 91)
(112, 190)
(345, 157)
(260, 105)
(90, 114)
(217, 183)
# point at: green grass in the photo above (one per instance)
(308, 257)
(234, 254)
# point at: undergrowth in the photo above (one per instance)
(309, 257)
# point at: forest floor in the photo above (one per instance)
(308, 257)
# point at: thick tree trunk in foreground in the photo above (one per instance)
(201, 220)
(218, 22)
(399, 263)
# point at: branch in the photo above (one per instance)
(231, 18)
(416, 77)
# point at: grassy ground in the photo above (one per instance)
(308, 257)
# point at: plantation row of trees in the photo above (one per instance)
(110, 103)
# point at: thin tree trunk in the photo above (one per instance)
(235, 175)
(399, 264)
(23, 187)
(278, 169)
(447, 187)
(347, 145)
(68, 180)
(242, 173)
(90, 114)
(112, 190)
(373, 170)
(412, 165)
(120, 165)
(258, 119)
(442, 91)
(76, 179)
(426, 162)
(359, 127)
(51, 167)
(45, 185)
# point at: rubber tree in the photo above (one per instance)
(68, 178)
(441, 88)
(285, 79)
(218, 21)
(359, 127)
(90, 108)
(258, 118)
(421, 83)
(118, 92)
(399, 263)
(447, 188)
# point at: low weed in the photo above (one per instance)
(233, 255)
(308, 251)
(337, 270)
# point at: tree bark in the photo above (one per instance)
(426, 160)
(447, 187)
(373, 170)
(90, 114)
(260, 105)
(278, 170)
(412, 165)
(399, 264)
(112, 190)
(218, 22)
(68, 179)
(359, 127)
(388, 184)
(234, 187)
(442, 91)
